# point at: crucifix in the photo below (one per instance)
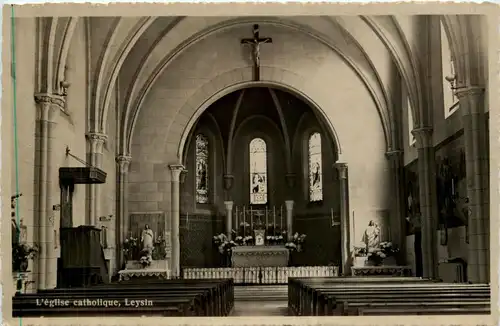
(255, 42)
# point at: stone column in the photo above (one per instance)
(229, 219)
(176, 170)
(122, 218)
(289, 219)
(96, 142)
(48, 107)
(398, 223)
(477, 160)
(428, 200)
(344, 217)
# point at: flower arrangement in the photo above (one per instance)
(159, 248)
(21, 253)
(376, 256)
(224, 245)
(360, 251)
(296, 243)
(146, 259)
(388, 248)
(129, 246)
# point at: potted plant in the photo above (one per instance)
(360, 255)
(129, 247)
(375, 256)
(225, 247)
(159, 248)
(21, 254)
(390, 251)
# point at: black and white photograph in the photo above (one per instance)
(262, 165)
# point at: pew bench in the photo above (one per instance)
(329, 296)
(168, 298)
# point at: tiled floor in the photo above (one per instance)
(260, 308)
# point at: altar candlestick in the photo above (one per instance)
(251, 219)
(187, 219)
(236, 220)
(331, 211)
(266, 220)
(452, 186)
(281, 218)
(244, 221)
(274, 220)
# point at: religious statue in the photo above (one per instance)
(147, 239)
(371, 237)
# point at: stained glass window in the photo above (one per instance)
(201, 169)
(315, 168)
(258, 171)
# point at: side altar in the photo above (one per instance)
(259, 256)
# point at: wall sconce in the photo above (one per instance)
(56, 207)
(64, 86)
(105, 218)
(453, 82)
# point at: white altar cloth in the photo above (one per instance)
(259, 256)
(158, 268)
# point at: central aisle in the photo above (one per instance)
(260, 300)
(260, 308)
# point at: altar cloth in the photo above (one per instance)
(259, 256)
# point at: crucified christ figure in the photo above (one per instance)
(255, 42)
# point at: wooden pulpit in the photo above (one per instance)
(82, 261)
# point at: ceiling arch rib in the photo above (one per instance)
(389, 34)
(128, 32)
(377, 56)
(367, 77)
(68, 27)
(103, 31)
(284, 128)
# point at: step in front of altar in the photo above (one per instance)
(262, 292)
(260, 275)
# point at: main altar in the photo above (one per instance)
(259, 238)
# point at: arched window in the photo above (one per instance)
(449, 98)
(411, 123)
(315, 168)
(202, 189)
(258, 171)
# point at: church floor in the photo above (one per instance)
(260, 308)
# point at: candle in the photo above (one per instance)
(236, 219)
(187, 219)
(274, 220)
(266, 219)
(281, 218)
(251, 219)
(244, 221)
(452, 186)
(331, 210)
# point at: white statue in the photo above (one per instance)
(147, 239)
(371, 237)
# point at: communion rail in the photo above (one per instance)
(260, 275)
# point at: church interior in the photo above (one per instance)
(234, 158)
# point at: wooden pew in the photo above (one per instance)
(301, 290)
(334, 296)
(169, 298)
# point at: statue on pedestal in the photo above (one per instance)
(371, 237)
(147, 245)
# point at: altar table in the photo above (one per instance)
(259, 256)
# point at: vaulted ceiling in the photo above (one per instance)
(130, 52)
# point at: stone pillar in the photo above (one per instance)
(289, 219)
(48, 106)
(476, 157)
(176, 170)
(398, 222)
(428, 200)
(96, 142)
(122, 218)
(229, 219)
(344, 217)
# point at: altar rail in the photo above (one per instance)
(260, 275)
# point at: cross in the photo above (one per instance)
(255, 42)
